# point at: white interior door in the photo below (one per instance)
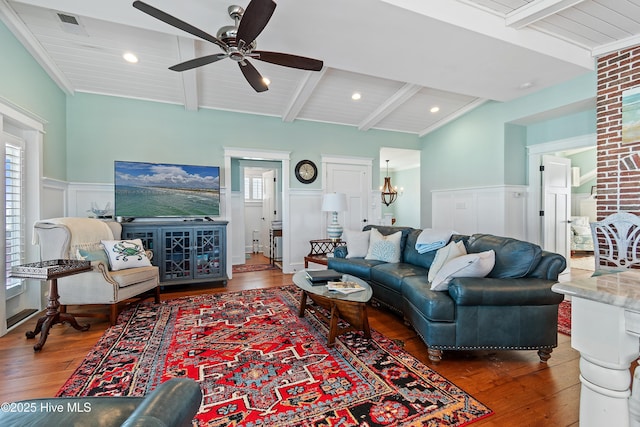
(269, 208)
(556, 204)
(354, 180)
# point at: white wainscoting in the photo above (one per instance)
(499, 210)
(82, 195)
(79, 196)
(307, 221)
(54, 198)
(236, 228)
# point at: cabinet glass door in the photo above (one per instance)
(208, 256)
(148, 238)
(177, 254)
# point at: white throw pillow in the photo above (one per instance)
(444, 255)
(357, 243)
(471, 265)
(126, 254)
(384, 248)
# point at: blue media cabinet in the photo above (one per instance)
(185, 251)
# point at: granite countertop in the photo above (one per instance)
(618, 289)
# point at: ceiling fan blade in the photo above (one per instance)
(255, 18)
(253, 76)
(198, 62)
(287, 60)
(175, 22)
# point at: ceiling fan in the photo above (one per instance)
(237, 41)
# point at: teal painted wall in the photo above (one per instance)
(236, 177)
(405, 209)
(25, 84)
(570, 125)
(85, 133)
(515, 149)
(472, 151)
(103, 129)
(586, 161)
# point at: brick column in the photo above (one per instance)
(618, 173)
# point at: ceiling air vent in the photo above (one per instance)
(71, 24)
(68, 19)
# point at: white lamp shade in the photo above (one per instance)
(334, 202)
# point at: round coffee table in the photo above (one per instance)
(351, 308)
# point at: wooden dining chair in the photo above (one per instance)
(616, 239)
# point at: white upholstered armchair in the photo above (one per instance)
(69, 238)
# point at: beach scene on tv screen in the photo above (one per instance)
(148, 190)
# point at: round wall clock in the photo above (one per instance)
(306, 171)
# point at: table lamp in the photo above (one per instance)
(334, 203)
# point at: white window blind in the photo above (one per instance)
(257, 188)
(253, 188)
(14, 211)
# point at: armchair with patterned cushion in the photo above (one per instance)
(85, 238)
(581, 239)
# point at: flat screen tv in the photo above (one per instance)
(152, 190)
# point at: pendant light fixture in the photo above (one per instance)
(389, 194)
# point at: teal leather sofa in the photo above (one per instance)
(512, 308)
(173, 403)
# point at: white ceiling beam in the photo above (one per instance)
(186, 51)
(302, 94)
(616, 46)
(451, 117)
(387, 107)
(537, 10)
(22, 33)
(477, 20)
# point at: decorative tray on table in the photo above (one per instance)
(50, 269)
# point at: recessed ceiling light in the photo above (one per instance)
(130, 57)
(434, 109)
(356, 96)
(266, 81)
(526, 85)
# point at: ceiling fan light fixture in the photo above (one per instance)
(130, 57)
(238, 42)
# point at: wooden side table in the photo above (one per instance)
(51, 271)
(319, 250)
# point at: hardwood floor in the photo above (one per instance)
(521, 390)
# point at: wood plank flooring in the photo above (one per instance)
(521, 390)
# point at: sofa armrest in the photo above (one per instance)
(549, 267)
(173, 403)
(340, 251)
(472, 291)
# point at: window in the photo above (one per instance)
(14, 211)
(253, 188)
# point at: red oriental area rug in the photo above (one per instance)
(564, 317)
(258, 363)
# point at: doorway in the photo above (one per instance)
(262, 211)
(404, 172)
(580, 199)
(234, 203)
